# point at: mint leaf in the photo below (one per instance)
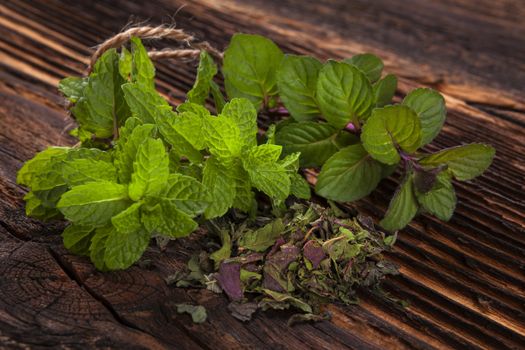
(77, 239)
(430, 108)
(221, 185)
(142, 69)
(249, 68)
(94, 203)
(205, 73)
(144, 102)
(36, 208)
(126, 148)
(128, 241)
(223, 137)
(384, 90)
(261, 239)
(97, 249)
(244, 197)
(464, 162)
(102, 103)
(297, 82)
(192, 127)
(348, 175)
(225, 251)
(369, 64)
(244, 115)
(125, 63)
(316, 141)
(187, 194)
(166, 219)
(265, 174)
(166, 122)
(403, 206)
(150, 170)
(388, 128)
(441, 199)
(218, 98)
(299, 187)
(344, 94)
(81, 171)
(39, 164)
(73, 87)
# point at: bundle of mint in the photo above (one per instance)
(143, 169)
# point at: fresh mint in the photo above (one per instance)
(342, 120)
(144, 170)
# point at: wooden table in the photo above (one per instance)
(464, 280)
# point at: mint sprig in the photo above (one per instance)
(144, 170)
(342, 120)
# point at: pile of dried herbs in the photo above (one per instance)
(309, 256)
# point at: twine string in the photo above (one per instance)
(155, 33)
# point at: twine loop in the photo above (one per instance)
(155, 33)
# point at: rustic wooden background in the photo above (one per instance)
(464, 280)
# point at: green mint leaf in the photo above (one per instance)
(223, 137)
(384, 90)
(81, 171)
(205, 73)
(102, 103)
(225, 251)
(369, 64)
(197, 312)
(297, 82)
(430, 108)
(300, 187)
(39, 164)
(221, 185)
(441, 199)
(144, 102)
(388, 128)
(249, 68)
(142, 69)
(244, 115)
(265, 174)
(166, 122)
(77, 239)
(126, 244)
(261, 239)
(192, 128)
(36, 208)
(218, 98)
(349, 175)
(97, 249)
(344, 94)
(94, 203)
(166, 219)
(73, 87)
(316, 141)
(125, 63)
(464, 162)
(126, 148)
(44, 175)
(244, 197)
(150, 170)
(187, 194)
(403, 206)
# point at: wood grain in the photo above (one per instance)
(464, 280)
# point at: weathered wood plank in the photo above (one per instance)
(464, 279)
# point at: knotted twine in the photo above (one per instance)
(156, 33)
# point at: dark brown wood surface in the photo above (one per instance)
(464, 280)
